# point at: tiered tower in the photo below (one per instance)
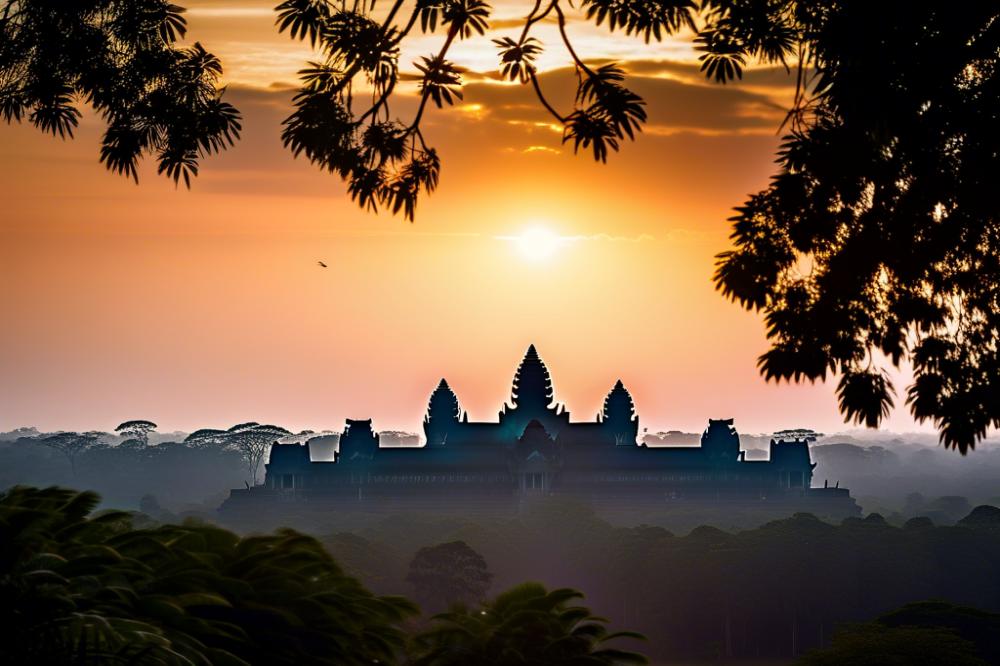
(720, 442)
(619, 416)
(443, 413)
(359, 441)
(531, 398)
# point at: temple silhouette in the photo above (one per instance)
(533, 450)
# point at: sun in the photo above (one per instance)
(538, 243)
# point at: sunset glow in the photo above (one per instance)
(538, 244)
(204, 307)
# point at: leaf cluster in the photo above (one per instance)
(525, 625)
(384, 161)
(121, 57)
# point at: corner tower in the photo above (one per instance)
(443, 413)
(619, 417)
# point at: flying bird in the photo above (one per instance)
(321, 264)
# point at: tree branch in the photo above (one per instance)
(565, 38)
(541, 98)
(452, 33)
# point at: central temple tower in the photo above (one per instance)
(531, 398)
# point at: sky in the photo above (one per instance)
(207, 307)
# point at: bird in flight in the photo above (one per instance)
(321, 264)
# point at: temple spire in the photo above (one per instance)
(532, 385)
(619, 415)
(443, 412)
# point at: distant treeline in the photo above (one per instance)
(185, 475)
(188, 477)
(776, 591)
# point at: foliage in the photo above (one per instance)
(88, 588)
(387, 162)
(186, 477)
(121, 57)
(136, 430)
(526, 625)
(877, 645)
(878, 240)
(447, 574)
(932, 632)
(765, 594)
(71, 444)
(251, 439)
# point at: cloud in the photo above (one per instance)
(231, 12)
(541, 149)
(615, 239)
(758, 76)
(674, 106)
(588, 238)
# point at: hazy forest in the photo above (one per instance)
(768, 592)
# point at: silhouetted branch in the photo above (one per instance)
(541, 98)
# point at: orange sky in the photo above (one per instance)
(204, 308)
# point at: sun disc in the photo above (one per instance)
(538, 243)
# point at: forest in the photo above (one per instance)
(551, 585)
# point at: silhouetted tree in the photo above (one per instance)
(136, 430)
(71, 444)
(880, 236)
(251, 439)
(449, 573)
(121, 57)
(206, 437)
(386, 161)
(525, 625)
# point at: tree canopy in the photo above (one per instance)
(251, 439)
(137, 431)
(120, 57)
(878, 241)
(448, 573)
(87, 588)
(527, 625)
(71, 444)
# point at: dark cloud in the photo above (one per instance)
(672, 105)
(756, 77)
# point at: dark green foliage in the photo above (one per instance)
(119, 56)
(447, 574)
(87, 588)
(930, 632)
(878, 645)
(525, 626)
(768, 593)
(878, 240)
